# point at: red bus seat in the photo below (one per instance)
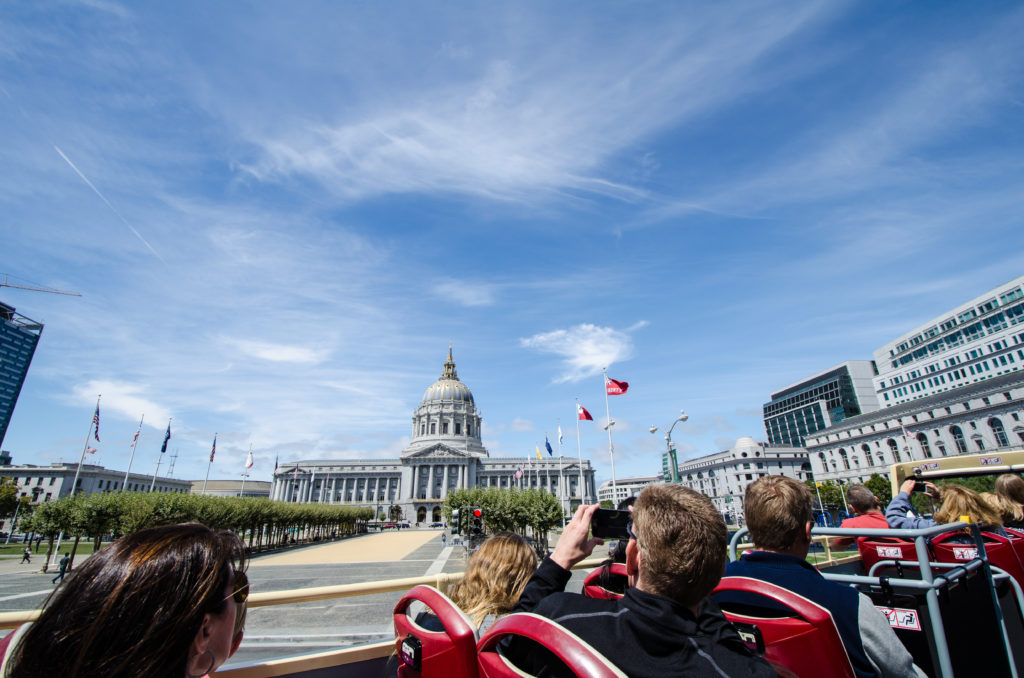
(450, 653)
(1002, 552)
(592, 589)
(807, 644)
(884, 548)
(581, 658)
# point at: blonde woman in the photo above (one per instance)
(956, 501)
(497, 574)
(1010, 490)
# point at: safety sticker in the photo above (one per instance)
(991, 461)
(901, 618)
(965, 552)
(889, 551)
(929, 466)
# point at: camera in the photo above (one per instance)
(610, 524)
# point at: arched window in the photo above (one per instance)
(941, 447)
(895, 449)
(958, 438)
(922, 439)
(998, 432)
(845, 460)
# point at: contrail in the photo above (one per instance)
(112, 208)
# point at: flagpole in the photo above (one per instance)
(245, 473)
(208, 465)
(608, 427)
(547, 469)
(78, 471)
(579, 454)
(92, 422)
(561, 469)
(135, 442)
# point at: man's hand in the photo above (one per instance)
(908, 486)
(575, 543)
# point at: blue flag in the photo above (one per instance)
(167, 436)
(548, 445)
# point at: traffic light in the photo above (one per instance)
(454, 524)
(478, 520)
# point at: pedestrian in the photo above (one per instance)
(444, 539)
(26, 557)
(64, 562)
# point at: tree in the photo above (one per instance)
(607, 504)
(395, 512)
(881, 488)
(8, 497)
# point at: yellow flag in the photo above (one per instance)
(538, 453)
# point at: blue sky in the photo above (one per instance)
(280, 215)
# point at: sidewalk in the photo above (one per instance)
(368, 548)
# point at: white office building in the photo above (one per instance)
(979, 340)
(624, 488)
(984, 416)
(724, 476)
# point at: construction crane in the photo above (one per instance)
(5, 283)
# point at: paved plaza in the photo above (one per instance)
(304, 627)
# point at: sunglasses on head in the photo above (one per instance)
(629, 531)
(241, 588)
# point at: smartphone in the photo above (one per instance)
(920, 487)
(610, 524)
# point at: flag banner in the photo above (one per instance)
(90, 450)
(213, 450)
(96, 423)
(167, 436)
(135, 439)
(559, 434)
(275, 463)
(519, 472)
(295, 473)
(614, 387)
(537, 449)
(582, 413)
(548, 446)
(248, 460)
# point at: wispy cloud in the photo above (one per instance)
(521, 425)
(585, 349)
(466, 293)
(279, 353)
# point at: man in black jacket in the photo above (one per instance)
(666, 625)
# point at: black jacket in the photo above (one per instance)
(644, 634)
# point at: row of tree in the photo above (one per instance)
(525, 512)
(264, 523)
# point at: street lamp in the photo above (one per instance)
(673, 463)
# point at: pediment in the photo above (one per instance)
(439, 451)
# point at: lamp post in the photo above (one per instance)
(673, 463)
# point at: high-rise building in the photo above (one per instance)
(18, 339)
(981, 339)
(819, 401)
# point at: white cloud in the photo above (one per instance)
(585, 349)
(466, 292)
(279, 353)
(521, 425)
(127, 400)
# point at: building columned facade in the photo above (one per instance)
(979, 340)
(259, 489)
(984, 416)
(724, 476)
(819, 401)
(446, 452)
(18, 339)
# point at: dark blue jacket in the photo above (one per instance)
(800, 577)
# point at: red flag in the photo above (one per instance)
(582, 413)
(613, 387)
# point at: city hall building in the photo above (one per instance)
(445, 453)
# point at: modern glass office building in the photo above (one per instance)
(820, 401)
(981, 339)
(18, 339)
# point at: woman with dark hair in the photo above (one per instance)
(162, 602)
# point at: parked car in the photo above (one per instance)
(404, 525)
(437, 524)
(390, 526)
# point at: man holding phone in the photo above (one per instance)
(665, 625)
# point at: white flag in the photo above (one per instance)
(248, 460)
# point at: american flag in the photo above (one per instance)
(213, 450)
(519, 472)
(135, 438)
(90, 450)
(275, 464)
(96, 422)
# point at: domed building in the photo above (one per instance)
(445, 452)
